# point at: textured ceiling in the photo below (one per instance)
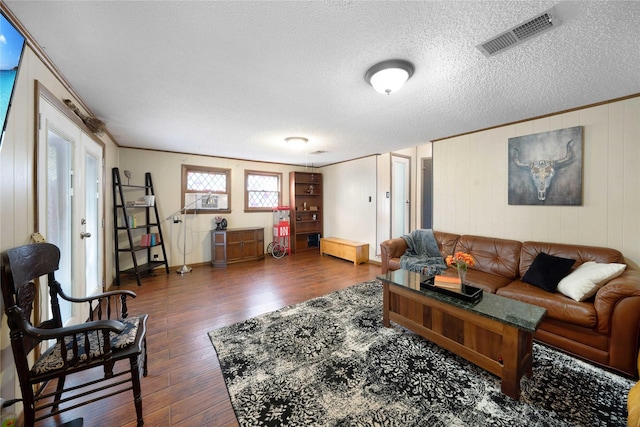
(234, 78)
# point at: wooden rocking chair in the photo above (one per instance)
(106, 338)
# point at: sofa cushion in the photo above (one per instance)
(486, 281)
(499, 257)
(558, 306)
(581, 254)
(446, 242)
(546, 271)
(584, 281)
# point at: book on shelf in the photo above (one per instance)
(144, 201)
(151, 239)
(137, 204)
(133, 221)
(447, 282)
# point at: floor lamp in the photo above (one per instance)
(185, 269)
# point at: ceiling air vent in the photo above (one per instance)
(520, 33)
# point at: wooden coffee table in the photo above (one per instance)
(495, 333)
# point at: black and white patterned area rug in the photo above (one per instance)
(330, 362)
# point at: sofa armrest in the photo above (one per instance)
(392, 248)
(609, 297)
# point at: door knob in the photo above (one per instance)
(85, 234)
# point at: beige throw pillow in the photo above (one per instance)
(585, 280)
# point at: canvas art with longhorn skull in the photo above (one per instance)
(546, 168)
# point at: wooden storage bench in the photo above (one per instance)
(356, 252)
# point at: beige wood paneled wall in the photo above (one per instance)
(349, 196)
(18, 186)
(470, 183)
(166, 173)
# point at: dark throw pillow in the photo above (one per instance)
(546, 271)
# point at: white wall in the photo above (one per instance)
(166, 173)
(349, 201)
(470, 183)
(348, 186)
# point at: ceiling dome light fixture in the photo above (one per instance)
(389, 76)
(296, 139)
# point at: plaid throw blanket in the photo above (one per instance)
(422, 254)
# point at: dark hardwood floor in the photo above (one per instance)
(185, 386)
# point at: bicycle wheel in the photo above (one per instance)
(278, 251)
(270, 247)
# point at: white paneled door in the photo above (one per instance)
(70, 213)
(400, 195)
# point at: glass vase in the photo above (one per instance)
(462, 274)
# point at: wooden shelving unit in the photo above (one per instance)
(305, 197)
(130, 222)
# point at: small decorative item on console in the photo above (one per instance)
(218, 220)
(461, 261)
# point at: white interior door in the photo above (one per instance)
(91, 221)
(400, 196)
(70, 213)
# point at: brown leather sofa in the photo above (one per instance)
(605, 329)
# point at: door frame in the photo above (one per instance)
(426, 209)
(89, 148)
(409, 199)
(42, 91)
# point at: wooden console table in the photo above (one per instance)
(495, 333)
(236, 245)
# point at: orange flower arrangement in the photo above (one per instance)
(460, 261)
